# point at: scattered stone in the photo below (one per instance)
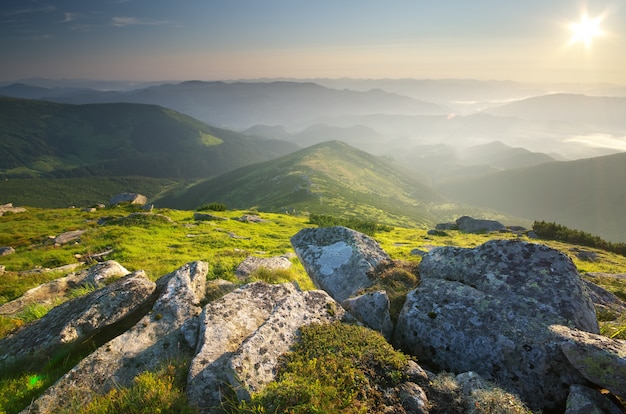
(8, 208)
(489, 309)
(243, 335)
(251, 218)
(90, 209)
(372, 310)
(6, 250)
(468, 224)
(338, 259)
(69, 236)
(208, 217)
(587, 256)
(2, 269)
(600, 359)
(253, 263)
(436, 233)
(131, 198)
(584, 400)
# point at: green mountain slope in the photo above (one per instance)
(57, 140)
(586, 194)
(329, 178)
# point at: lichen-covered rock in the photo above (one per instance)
(489, 309)
(253, 263)
(413, 398)
(584, 400)
(75, 321)
(69, 236)
(600, 359)
(468, 224)
(243, 334)
(372, 310)
(607, 304)
(338, 259)
(49, 292)
(157, 337)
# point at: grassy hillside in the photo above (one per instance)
(326, 178)
(43, 139)
(585, 194)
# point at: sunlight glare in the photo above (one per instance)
(585, 30)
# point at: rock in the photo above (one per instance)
(8, 208)
(413, 398)
(608, 306)
(436, 233)
(48, 293)
(89, 209)
(243, 335)
(489, 309)
(468, 224)
(587, 256)
(532, 235)
(584, 400)
(131, 198)
(208, 217)
(69, 236)
(372, 310)
(600, 359)
(6, 250)
(419, 252)
(447, 226)
(156, 338)
(73, 322)
(338, 259)
(2, 269)
(252, 263)
(251, 218)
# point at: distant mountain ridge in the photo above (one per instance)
(39, 138)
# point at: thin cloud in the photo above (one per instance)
(133, 21)
(45, 9)
(70, 17)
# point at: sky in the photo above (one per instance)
(151, 40)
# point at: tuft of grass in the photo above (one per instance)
(336, 368)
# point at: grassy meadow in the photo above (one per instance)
(165, 239)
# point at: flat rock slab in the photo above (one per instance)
(69, 236)
(253, 263)
(243, 334)
(338, 259)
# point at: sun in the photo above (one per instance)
(586, 30)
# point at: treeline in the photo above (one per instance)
(364, 226)
(554, 231)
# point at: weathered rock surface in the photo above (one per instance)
(243, 334)
(468, 224)
(48, 293)
(253, 263)
(8, 207)
(585, 400)
(600, 359)
(69, 236)
(77, 320)
(606, 303)
(338, 259)
(489, 309)
(158, 336)
(132, 198)
(372, 310)
(6, 250)
(208, 217)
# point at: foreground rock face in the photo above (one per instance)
(338, 259)
(489, 310)
(159, 335)
(243, 334)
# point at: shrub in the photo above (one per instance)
(213, 207)
(554, 231)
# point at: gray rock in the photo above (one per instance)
(75, 321)
(372, 310)
(48, 293)
(606, 303)
(446, 226)
(600, 359)
(131, 198)
(156, 338)
(338, 259)
(413, 398)
(419, 252)
(440, 233)
(489, 310)
(253, 263)
(8, 208)
(251, 218)
(6, 250)
(208, 217)
(468, 224)
(584, 400)
(243, 335)
(69, 236)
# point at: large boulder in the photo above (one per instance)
(600, 359)
(73, 322)
(372, 310)
(338, 259)
(243, 335)
(468, 224)
(162, 334)
(585, 400)
(131, 198)
(489, 310)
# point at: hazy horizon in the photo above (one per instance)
(141, 40)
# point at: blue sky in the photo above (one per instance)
(193, 39)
